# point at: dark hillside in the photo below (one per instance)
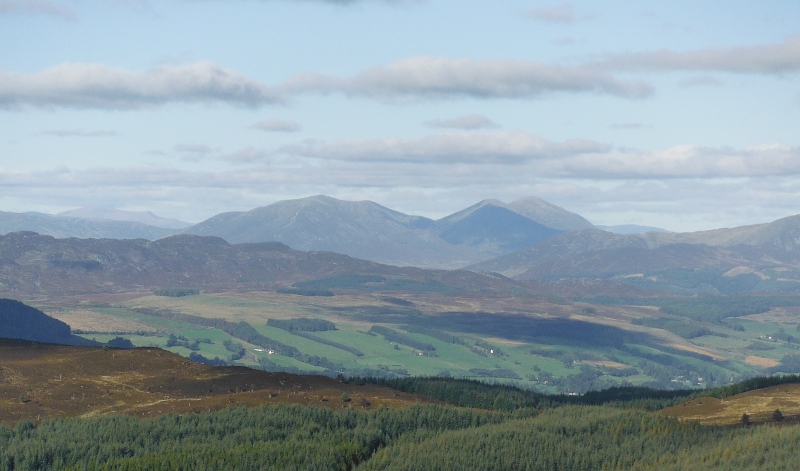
(495, 229)
(19, 321)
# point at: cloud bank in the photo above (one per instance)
(99, 86)
(557, 14)
(455, 148)
(36, 7)
(79, 133)
(441, 78)
(777, 58)
(467, 122)
(277, 125)
(79, 85)
(572, 158)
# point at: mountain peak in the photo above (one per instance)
(549, 214)
(362, 229)
(464, 213)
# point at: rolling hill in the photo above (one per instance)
(759, 405)
(36, 264)
(756, 258)
(49, 381)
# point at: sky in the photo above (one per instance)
(682, 115)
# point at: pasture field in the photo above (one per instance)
(551, 346)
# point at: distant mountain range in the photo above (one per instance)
(361, 229)
(752, 258)
(370, 231)
(763, 257)
(528, 239)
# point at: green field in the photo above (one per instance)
(523, 347)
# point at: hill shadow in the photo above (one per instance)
(504, 325)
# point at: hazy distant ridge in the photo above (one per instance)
(61, 227)
(367, 230)
(764, 251)
(528, 238)
(38, 264)
(142, 217)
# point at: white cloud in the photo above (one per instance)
(573, 158)
(686, 161)
(154, 152)
(763, 59)
(277, 125)
(100, 86)
(557, 14)
(701, 81)
(81, 85)
(435, 77)
(353, 2)
(248, 155)
(567, 41)
(36, 7)
(467, 122)
(79, 133)
(465, 147)
(193, 148)
(193, 152)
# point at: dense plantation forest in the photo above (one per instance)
(478, 426)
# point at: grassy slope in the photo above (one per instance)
(354, 313)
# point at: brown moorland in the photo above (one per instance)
(42, 381)
(759, 405)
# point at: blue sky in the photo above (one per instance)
(681, 114)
